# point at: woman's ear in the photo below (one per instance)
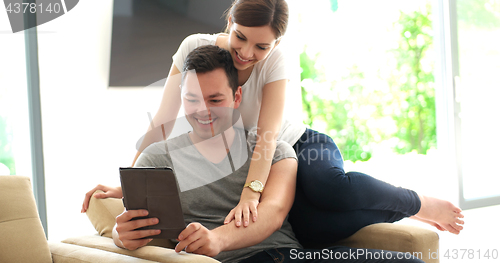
(229, 22)
(277, 42)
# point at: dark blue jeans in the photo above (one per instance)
(331, 204)
(331, 254)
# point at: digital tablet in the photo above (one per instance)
(156, 190)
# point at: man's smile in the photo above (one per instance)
(206, 121)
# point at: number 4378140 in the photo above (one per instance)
(471, 254)
(33, 8)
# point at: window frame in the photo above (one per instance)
(35, 117)
(448, 107)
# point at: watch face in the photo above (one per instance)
(256, 186)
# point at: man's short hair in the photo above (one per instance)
(208, 58)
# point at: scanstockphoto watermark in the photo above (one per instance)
(352, 254)
(25, 14)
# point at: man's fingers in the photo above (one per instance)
(188, 236)
(189, 230)
(135, 224)
(129, 214)
(194, 245)
(130, 237)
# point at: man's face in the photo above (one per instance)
(209, 103)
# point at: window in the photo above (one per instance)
(476, 93)
(20, 124)
(368, 82)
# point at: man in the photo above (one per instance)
(205, 207)
(209, 93)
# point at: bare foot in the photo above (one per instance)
(443, 213)
(432, 223)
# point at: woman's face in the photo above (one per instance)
(249, 45)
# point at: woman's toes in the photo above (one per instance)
(458, 221)
(440, 227)
(456, 228)
(452, 230)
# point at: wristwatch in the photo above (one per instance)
(255, 186)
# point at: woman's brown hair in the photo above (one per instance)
(253, 13)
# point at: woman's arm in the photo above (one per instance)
(268, 128)
(164, 118)
(166, 115)
(277, 200)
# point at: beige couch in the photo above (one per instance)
(22, 238)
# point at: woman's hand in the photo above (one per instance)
(248, 205)
(115, 192)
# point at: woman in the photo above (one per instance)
(330, 204)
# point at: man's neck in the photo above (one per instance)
(217, 147)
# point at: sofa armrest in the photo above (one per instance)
(420, 242)
(67, 253)
(153, 253)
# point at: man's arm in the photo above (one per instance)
(276, 202)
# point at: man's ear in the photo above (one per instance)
(237, 97)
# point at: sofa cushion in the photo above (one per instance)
(67, 253)
(154, 253)
(22, 237)
(420, 242)
(103, 212)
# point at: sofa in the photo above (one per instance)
(22, 238)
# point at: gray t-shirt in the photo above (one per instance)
(208, 201)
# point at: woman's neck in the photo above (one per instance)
(244, 75)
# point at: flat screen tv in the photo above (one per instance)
(146, 33)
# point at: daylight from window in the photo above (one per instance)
(368, 81)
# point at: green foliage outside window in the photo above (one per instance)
(358, 117)
(412, 84)
(6, 155)
(479, 13)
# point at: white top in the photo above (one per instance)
(273, 68)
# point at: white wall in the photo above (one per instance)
(89, 131)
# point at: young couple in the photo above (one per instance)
(325, 195)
